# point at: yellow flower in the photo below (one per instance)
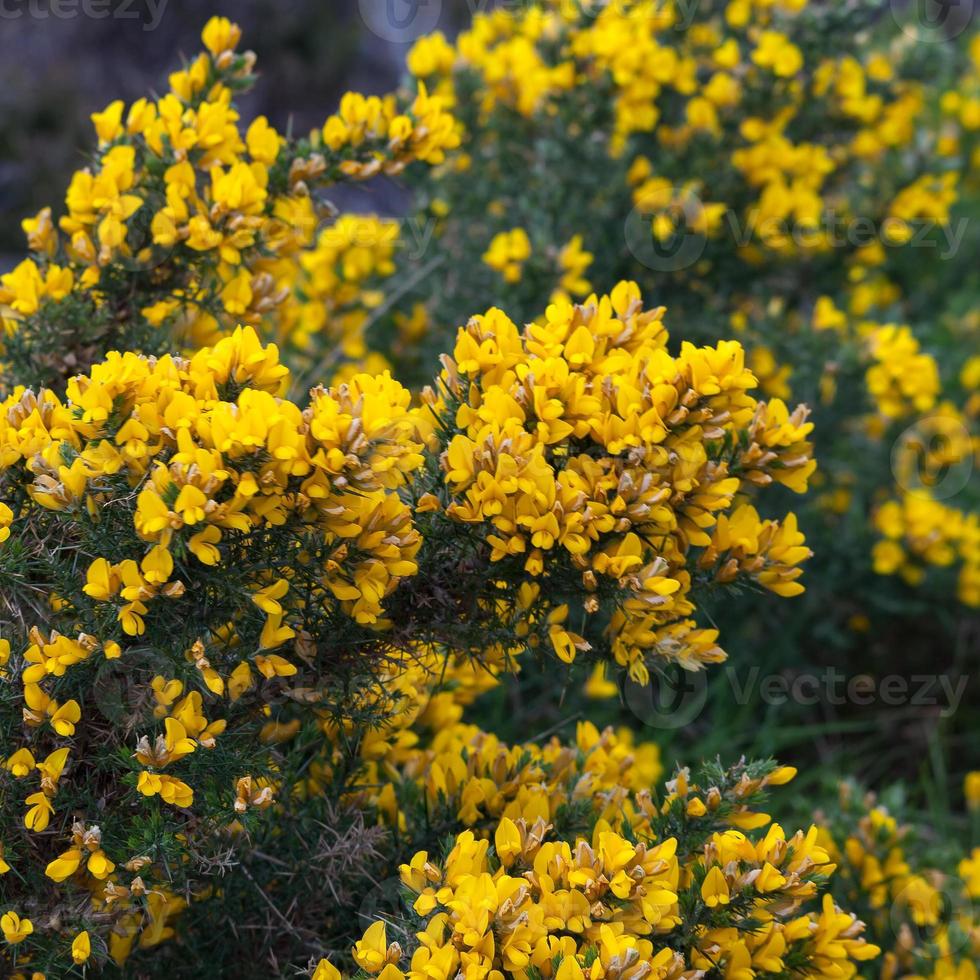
(267, 598)
(81, 948)
(274, 666)
(263, 141)
(220, 35)
(372, 951)
(203, 545)
(599, 687)
(971, 789)
(40, 810)
(170, 790)
(15, 929)
(157, 566)
(239, 681)
(775, 51)
(714, 888)
(274, 634)
(6, 519)
(102, 582)
(21, 763)
(65, 865)
(507, 253)
(38, 706)
(326, 971)
(108, 123)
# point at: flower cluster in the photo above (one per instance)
(213, 538)
(525, 899)
(196, 560)
(595, 465)
(923, 913)
(901, 379)
(685, 80)
(185, 224)
(918, 532)
(794, 173)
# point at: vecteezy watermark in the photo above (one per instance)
(149, 13)
(400, 21)
(412, 236)
(674, 698)
(924, 908)
(836, 230)
(385, 902)
(935, 455)
(834, 687)
(672, 237)
(676, 247)
(933, 21)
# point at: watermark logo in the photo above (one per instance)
(934, 456)
(385, 902)
(400, 21)
(671, 237)
(926, 907)
(672, 698)
(148, 13)
(932, 21)
(674, 246)
(412, 236)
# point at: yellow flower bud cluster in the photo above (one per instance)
(215, 223)
(205, 522)
(204, 450)
(923, 916)
(918, 532)
(424, 133)
(524, 899)
(591, 459)
(784, 167)
(901, 379)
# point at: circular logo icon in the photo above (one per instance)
(675, 244)
(400, 21)
(934, 456)
(924, 906)
(386, 902)
(932, 21)
(671, 699)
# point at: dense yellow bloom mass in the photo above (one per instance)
(517, 899)
(586, 450)
(779, 181)
(918, 532)
(932, 910)
(208, 449)
(901, 379)
(242, 557)
(508, 252)
(183, 468)
(247, 626)
(218, 223)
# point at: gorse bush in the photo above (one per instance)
(185, 224)
(643, 904)
(176, 528)
(254, 588)
(794, 175)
